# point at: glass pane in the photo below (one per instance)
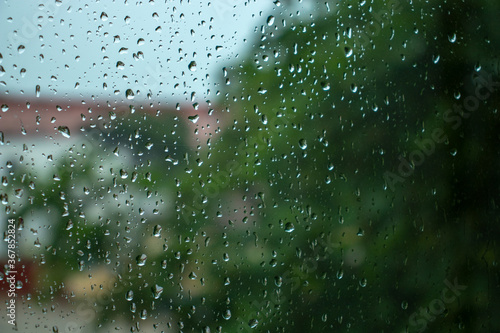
(238, 166)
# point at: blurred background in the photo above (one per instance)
(237, 166)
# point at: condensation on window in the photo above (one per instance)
(249, 166)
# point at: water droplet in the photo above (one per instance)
(123, 173)
(192, 276)
(278, 281)
(363, 282)
(404, 305)
(348, 51)
(270, 20)
(21, 49)
(194, 118)
(104, 16)
(157, 290)
(192, 66)
(143, 314)
(264, 119)
(157, 230)
(5, 108)
(37, 90)
(253, 323)
(4, 198)
(141, 259)
(325, 86)
(289, 227)
(134, 176)
(19, 193)
(302, 144)
(64, 130)
(129, 93)
(129, 295)
(227, 314)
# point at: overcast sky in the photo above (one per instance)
(81, 49)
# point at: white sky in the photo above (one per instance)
(81, 47)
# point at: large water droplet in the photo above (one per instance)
(157, 230)
(302, 144)
(141, 260)
(192, 66)
(348, 51)
(253, 323)
(129, 93)
(289, 227)
(64, 130)
(194, 118)
(143, 314)
(81, 265)
(157, 290)
(264, 119)
(227, 314)
(123, 173)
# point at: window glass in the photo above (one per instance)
(239, 166)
